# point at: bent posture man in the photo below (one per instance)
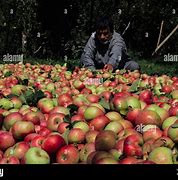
(106, 49)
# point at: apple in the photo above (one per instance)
(169, 121)
(36, 155)
(132, 114)
(32, 116)
(174, 94)
(64, 100)
(63, 126)
(18, 150)
(128, 160)
(92, 112)
(146, 96)
(151, 132)
(82, 125)
(113, 116)
(52, 143)
(95, 156)
(9, 160)
(18, 89)
(148, 117)
(173, 132)
(120, 104)
(76, 135)
(99, 122)
(30, 137)
(60, 109)
(17, 103)
(161, 155)
(133, 102)
(44, 131)
(107, 160)
(85, 151)
(91, 135)
(54, 120)
(114, 126)
(45, 105)
(22, 128)
(37, 141)
(67, 154)
(132, 145)
(6, 140)
(11, 118)
(105, 140)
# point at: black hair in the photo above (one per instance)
(104, 22)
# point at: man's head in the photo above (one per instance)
(104, 29)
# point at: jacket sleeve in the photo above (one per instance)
(87, 58)
(118, 49)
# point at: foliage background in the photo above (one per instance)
(60, 29)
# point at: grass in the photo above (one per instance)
(149, 66)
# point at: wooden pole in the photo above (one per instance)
(165, 39)
(160, 32)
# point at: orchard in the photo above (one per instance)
(51, 115)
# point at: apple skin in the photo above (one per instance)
(6, 140)
(128, 160)
(67, 154)
(54, 120)
(45, 105)
(32, 117)
(37, 141)
(105, 140)
(52, 143)
(113, 116)
(82, 125)
(161, 155)
(169, 121)
(151, 132)
(11, 118)
(114, 126)
(132, 145)
(99, 123)
(22, 128)
(92, 112)
(9, 160)
(86, 150)
(18, 150)
(90, 136)
(146, 117)
(173, 132)
(36, 155)
(76, 135)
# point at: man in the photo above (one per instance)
(106, 49)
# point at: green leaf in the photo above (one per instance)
(72, 108)
(23, 82)
(104, 103)
(8, 73)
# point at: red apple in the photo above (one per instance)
(52, 143)
(67, 154)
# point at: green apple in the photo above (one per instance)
(36, 155)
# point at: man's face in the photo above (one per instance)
(104, 35)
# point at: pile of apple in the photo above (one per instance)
(51, 115)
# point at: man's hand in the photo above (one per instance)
(108, 67)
